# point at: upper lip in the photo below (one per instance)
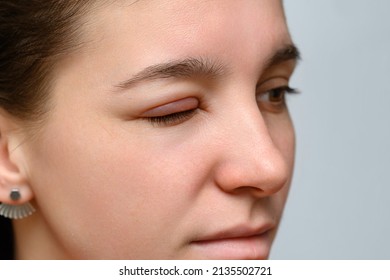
(238, 231)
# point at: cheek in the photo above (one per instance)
(94, 185)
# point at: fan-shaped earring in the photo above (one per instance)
(16, 211)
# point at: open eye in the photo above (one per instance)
(274, 99)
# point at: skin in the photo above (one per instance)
(109, 184)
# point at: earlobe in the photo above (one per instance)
(16, 210)
(15, 192)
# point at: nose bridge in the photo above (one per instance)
(250, 160)
(246, 131)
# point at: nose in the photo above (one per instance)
(251, 160)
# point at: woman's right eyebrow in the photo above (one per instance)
(185, 68)
(199, 67)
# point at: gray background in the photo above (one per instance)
(339, 204)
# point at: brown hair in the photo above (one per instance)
(33, 35)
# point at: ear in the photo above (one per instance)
(11, 171)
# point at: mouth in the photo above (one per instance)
(242, 242)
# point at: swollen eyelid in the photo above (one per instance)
(173, 107)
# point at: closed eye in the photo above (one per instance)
(172, 119)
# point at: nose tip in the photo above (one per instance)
(262, 175)
(272, 175)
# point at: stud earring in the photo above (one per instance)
(16, 211)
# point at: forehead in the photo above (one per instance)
(189, 27)
(122, 37)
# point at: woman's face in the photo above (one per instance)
(168, 137)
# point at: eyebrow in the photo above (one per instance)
(201, 67)
(288, 52)
(185, 68)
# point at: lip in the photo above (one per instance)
(238, 242)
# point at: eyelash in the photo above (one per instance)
(179, 117)
(287, 89)
(283, 89)
(172, 118)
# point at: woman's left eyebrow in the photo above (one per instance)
(185, 68)
(283, 54)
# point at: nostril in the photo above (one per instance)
(254, 191)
